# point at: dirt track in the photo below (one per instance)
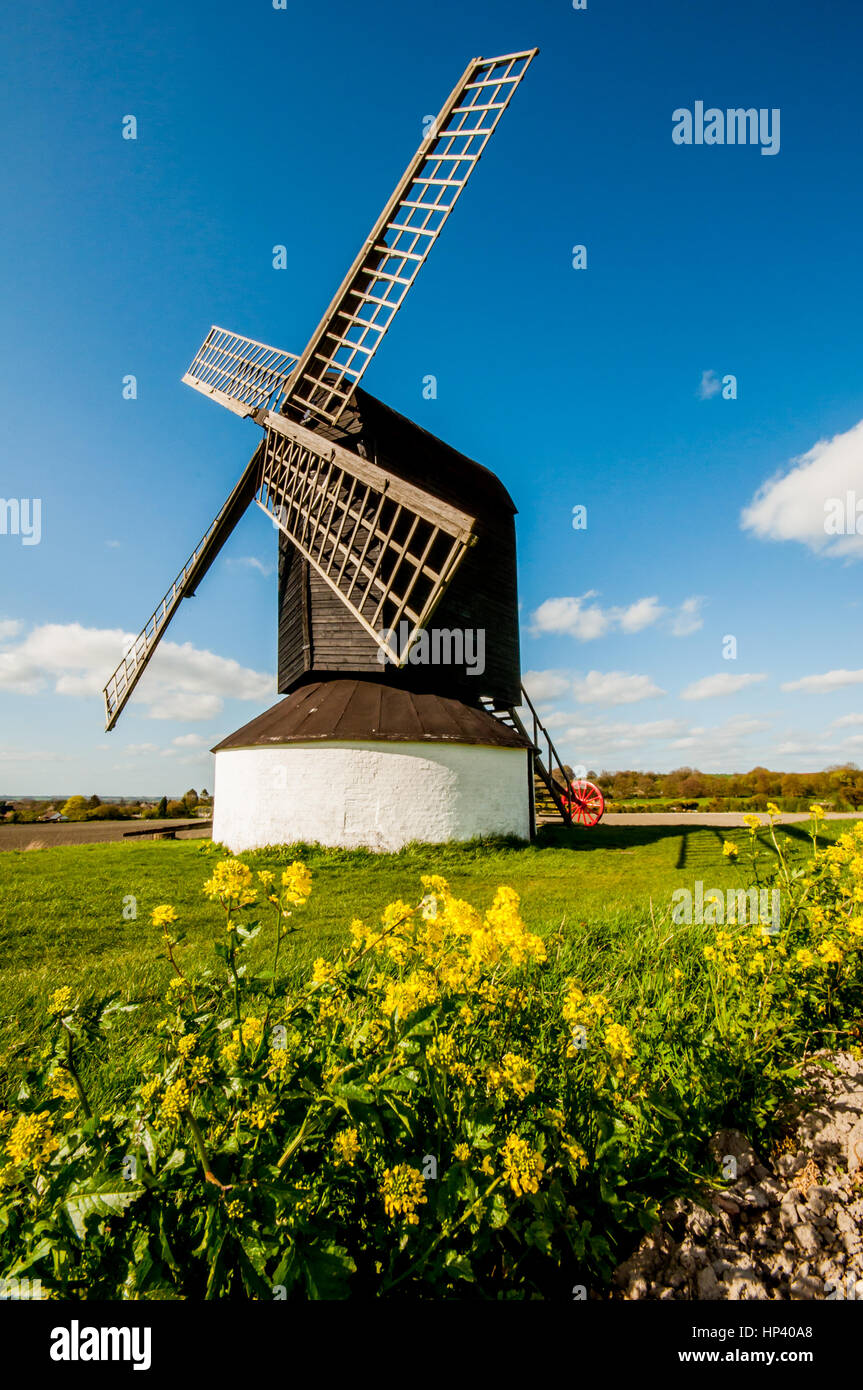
(91, 832)
(102, 832)
(717, 818)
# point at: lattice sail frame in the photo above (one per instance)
(376, 285)
(119, 688)
(413, 542)
(240, 373)
(385, 547)
(245, 375)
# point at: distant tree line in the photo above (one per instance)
(28, 810)
(839, 788)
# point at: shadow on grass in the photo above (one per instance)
(693, 840)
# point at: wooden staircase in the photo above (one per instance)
(547, 805)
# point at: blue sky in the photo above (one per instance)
(259, 127)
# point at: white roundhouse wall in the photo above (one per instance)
(375, 795)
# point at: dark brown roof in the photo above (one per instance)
(358, 710)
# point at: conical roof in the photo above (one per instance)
(361, 710)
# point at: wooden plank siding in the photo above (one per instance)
(318, 634)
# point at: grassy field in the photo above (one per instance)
(685, 1030)
(66, 914)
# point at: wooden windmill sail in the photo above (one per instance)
(368, 538)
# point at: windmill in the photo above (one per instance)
(381, 527)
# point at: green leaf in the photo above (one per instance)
(328, 1270)
(498, 1216)
(459, 1265)
(102, 1198)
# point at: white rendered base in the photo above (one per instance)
(376, 795)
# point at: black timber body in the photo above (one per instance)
(318, 635)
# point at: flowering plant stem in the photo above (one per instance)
(73, 1072)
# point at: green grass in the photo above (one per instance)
(607, 891)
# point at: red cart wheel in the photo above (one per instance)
(586, 803)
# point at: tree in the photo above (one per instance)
(190, 801)
(75, 808)
(176, 809)
(162, 808)
(94, 801)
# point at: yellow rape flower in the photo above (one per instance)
(576, 1154)
(404, 997)
(347, 1146)
(522, 1165)
(515, 1075)
(620, 1046)
(175, 1101)
(63, 1088)
(164, 916)
(297, 883)
(251, 1030)
(231, 884)
(403, 1190)
(442, 1051)
(323, 972)
(729, 849)
(59, 1002)
(32, 1140)
(260, 1113)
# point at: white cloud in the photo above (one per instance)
(688, 618)
(725, 683)
(847, 720)
(9, 627)
(792, 507)
(643, 613)
(190, 741)
(709, 385)
(613, 688)
(253, 563)
(599, 739)
(572, 616)
(181, 681)
(545, 685)
(663, 743)
(829, 680)
(576, 617)
(113, 545)
(33, 755)
(184, 706)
